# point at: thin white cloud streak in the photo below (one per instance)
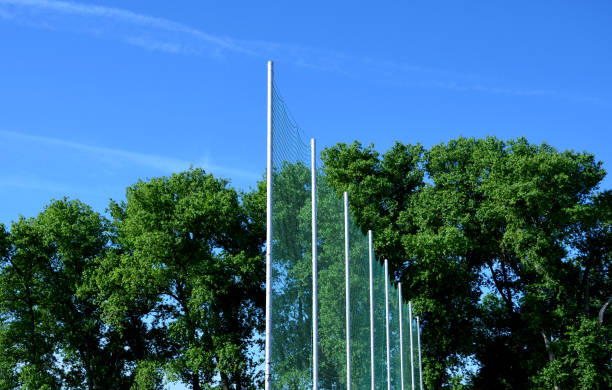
(153, 45)
(513, 91)
(39, 184)
(123, 15)
(167, 36)
(161, 163)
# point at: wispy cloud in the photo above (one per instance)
(161, 163)
(130, 26)
(462, 87)
(163, 35)
(40, 184)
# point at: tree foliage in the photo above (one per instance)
(52, 335)
(502, 246)
(169, 289)
(185, 256)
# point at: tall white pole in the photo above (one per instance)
(348, 292)
(411, 345)
(315, 300)
(371, 265)
(399, 295)
(419, 344)
(387, 324)
(269, 232)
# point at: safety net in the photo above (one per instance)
(380, 327)
(394, 338)
(291, 265)
(418, 380)
(408, 361)
(359, 275)
(290, 333)
(331, 281)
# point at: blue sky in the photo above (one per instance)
(95, 95)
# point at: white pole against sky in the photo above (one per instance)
(387, 323)
(269, 231)
(411, 345)
(348, 292)
(419, 344)
(315, 311)
(371, 266)
(399, 295)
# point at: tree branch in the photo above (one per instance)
(603, 310)
(500, 288)
(551, 353)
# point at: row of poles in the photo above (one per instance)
(315, 320)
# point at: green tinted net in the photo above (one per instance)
(415, 355)
(380, 324)
(291, 282)
(359, 271)
(291, 260)
(394, 338)
(406, 336)
(331, 294)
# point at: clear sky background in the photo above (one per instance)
(95, 95)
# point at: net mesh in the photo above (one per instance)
(359, 272)
(406, 349)
(394, 338)
(291, 265)
(291, 333)
(380, 325)
(407, 358)
(415, 354)
(331, 281)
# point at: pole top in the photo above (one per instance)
(270, 65)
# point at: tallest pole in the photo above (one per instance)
(269, 231)
(315, 299)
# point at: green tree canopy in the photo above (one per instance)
(187, 255)
(503, 247)
(52, 335)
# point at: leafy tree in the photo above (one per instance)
(186, 258)
(27, 338)
(52, 329)
(502, 245)
(93, 355)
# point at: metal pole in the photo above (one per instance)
(371, 265)
(411, 346)
(399, 295)
(315, 311)
(419, 344)
(269, 231)
(387, 324)
(348, 292)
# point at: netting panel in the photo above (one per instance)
(331, 280)
(360, 307)
(407, 358)
(291, 333)
(291, 260)
(380, 323)
(415, 354)
(394, 338)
